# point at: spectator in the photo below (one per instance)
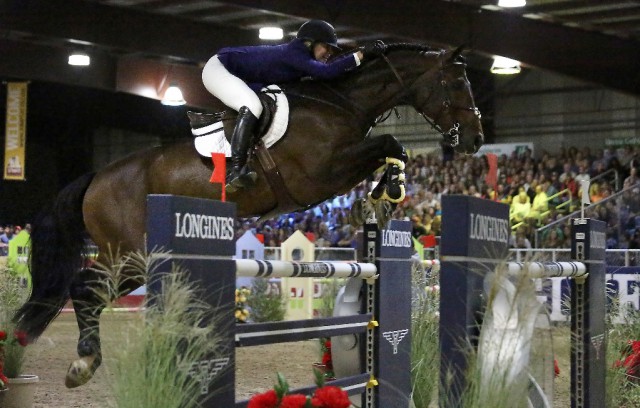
(6, 236)
(540, 204)
(417, 228)
(632, 179)
(520, 240)
(348, 237)
(583, 175)
(595, 193)
(520, 208)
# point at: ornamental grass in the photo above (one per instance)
(152, 365)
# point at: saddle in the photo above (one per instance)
(208, 131)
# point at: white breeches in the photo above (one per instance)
(230, 89)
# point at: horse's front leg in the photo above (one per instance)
(390, 189)
(88, 303)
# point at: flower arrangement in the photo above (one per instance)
(18, 339)
(325, 348)
(323, 397)
(631, 361)
(241, 312)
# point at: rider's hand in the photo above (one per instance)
(374, 49)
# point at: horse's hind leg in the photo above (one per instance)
(88, 303)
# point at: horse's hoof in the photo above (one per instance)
(384, 211)
(79, 373)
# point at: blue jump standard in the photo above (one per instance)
(199, 235)
(475, 236)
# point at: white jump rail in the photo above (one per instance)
(287, 269)
(547, 269)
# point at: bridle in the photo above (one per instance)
(450, 137)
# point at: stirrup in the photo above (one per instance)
(246, 177)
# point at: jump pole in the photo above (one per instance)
(475, 238)
(199, 234)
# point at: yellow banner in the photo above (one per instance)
(15, 131)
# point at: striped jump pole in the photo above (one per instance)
(547, 269)
(475, 241)
(199, 235)
(289, 269)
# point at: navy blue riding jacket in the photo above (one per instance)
(275, 64)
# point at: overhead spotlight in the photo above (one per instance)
(505, 66)
(271, 33)
(79, 60)
(173, 97)
(512, 3)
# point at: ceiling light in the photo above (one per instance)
(512, 3)
(173, 97)
(80, 60)
(271, 33)
(505, 66)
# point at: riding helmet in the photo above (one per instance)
(318, 31)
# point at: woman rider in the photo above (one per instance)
(235, 74)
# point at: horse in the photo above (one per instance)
(325, 151)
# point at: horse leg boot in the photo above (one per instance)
(241, 175)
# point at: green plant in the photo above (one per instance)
(266, 306)
(328, 294)
(425, 354)
(153, 365)
(241, 311)
(13, 293)
(623, 387)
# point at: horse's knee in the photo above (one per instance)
(394, 148)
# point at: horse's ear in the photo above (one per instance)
(456, 53)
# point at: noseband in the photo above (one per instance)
(450, 137)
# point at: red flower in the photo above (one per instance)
(3, 335)
(326, 360)
(293, 401)
(21, 337)
(268, 399)
(327, 344)
(330, 397)
(4, 379)
(556, 368)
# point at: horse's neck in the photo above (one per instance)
(373, 89)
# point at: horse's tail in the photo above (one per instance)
(57, 243)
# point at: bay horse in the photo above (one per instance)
(325, 151)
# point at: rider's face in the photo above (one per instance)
(321, 52)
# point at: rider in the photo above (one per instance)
(235, 74)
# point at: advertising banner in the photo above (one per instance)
(15, 131)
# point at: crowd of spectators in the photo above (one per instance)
(8, 232)
(539, 191)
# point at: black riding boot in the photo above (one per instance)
(241, 175)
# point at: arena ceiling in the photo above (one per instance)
(141, 46)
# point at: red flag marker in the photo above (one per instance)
(492, 175)
(219, 171)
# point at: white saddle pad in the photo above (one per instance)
(211, 139)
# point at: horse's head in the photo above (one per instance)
(443, 96)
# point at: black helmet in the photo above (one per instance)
(318, 30)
